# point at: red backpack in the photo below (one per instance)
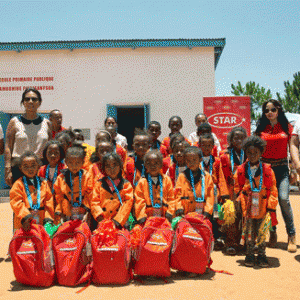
(72, 253)
(193, 243)
(31, 255)
(152, 254)
(111, 254)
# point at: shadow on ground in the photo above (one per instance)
(273, 261)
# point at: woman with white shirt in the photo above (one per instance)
(27, 132)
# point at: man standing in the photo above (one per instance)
(55, 117)
(294, 146)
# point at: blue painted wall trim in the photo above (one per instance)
(218, 44)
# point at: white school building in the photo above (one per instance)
(134, 80)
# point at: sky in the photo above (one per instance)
(262, 37)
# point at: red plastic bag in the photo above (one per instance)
(72, 253)
(111, 254)
(193, 243)
(152, 253)
(31, 255)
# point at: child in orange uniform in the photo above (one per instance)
(30, 196)
(255, 184)
(194, 188)
(177, 164)
(104, 135)
(230, 160)
(112, 195)
(96, 170)
(213, 166)
(154, 194)
(175, 125)
(135, 168)
(205, 128)
(73, 187)
(154, 130)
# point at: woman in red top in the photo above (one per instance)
(274, 128)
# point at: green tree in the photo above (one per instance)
(291, 99)
(257, 94)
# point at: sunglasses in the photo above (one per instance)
(272, 110)
(34, 99)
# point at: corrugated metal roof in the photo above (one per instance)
(218, 44)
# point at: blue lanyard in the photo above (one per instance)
(202, 187)
(156, 205)
(38, 204)
(210, 165)
(241, 159)
(80, 195)
(158, 145)
(143, 172)
(54, 176)
(251, 180)
(116, 190)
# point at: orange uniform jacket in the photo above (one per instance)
(185, 195)
(106, 203)
(265, 202)
(129, 171)
(122, 152)
(89, 150)
(143, 206)
(20, 204)
(63, 194)
(163, 149)
(226, 168)
(218, 177)
(95, 172)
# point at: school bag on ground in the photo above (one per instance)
(193, 243)
(72, 253)
(152, 254)
(111, 254)
(31, 255)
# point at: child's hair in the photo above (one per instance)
(60, 147)
(204, 127)
(234, 130)
(140, 132)
(64, 136)
(80, 134)
(154, 152)
(194, 150)
(175, 117)
(200, 114)
(176, 138)
(28, 154)
(94, 157)
(206, 136)
(114, 156)
(184, 143)
(76, 150)
(256, 142)
(154, 123)
(109, 138)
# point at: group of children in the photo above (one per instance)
(165, 179)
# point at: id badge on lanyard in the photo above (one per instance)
(36, 215)
(216, 213)
(76, 213)
(157, 212)
(255, 204)
(199, 207)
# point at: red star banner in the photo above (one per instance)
(224, 113)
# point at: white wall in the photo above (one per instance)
(172, 80)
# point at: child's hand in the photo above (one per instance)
(27, 224)
(99, 218)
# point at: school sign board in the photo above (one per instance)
(224, 113)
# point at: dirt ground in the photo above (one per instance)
(280, 281)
